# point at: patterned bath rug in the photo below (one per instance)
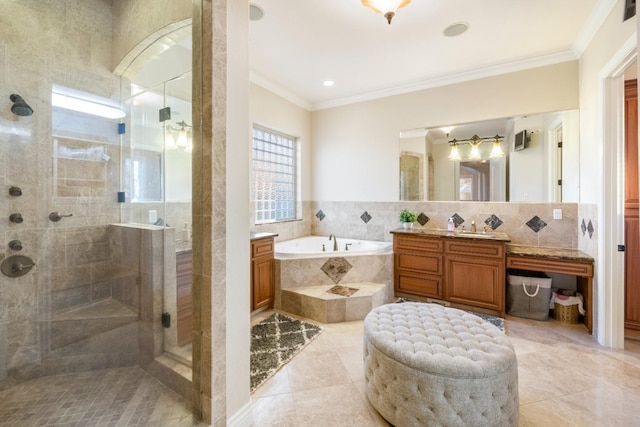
(274, 342)
(495, 321)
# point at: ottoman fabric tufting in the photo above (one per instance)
(428, 365)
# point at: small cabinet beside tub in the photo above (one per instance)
(262, 271)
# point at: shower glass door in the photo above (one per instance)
(158, 179)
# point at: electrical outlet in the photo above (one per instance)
(557, 214)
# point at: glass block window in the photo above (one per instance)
(274, 175)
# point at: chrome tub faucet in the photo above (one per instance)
(335, 242)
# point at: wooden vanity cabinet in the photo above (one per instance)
(474, 273)
(418, 265)
(457, 270)
(262, 273)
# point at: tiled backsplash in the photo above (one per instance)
(525, 223)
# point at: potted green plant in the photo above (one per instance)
(407, 218)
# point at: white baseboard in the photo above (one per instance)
(242, 418)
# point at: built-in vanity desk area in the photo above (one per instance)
(438, 265)
(557, 260)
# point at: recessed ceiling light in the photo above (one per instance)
(456, 29)
(328, 83)
(255, 12)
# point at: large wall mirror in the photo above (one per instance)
(539, 161)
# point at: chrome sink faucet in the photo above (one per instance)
(335, 242)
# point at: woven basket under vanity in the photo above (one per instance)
(566, 313)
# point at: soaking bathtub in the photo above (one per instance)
(322, 247)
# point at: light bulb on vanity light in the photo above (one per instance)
(496, 151)
(454, 154)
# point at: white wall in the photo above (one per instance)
(238, 140)
(355, 147)
(611, 36)
(595, 149)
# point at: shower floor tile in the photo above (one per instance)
(112, 397)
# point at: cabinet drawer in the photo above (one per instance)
(550, 266)
(421, 262)
(419, 284)
(417, 243)
(475, 248)
(261, 247)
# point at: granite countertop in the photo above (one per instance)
(436, 232)
(262, 235)
(548, 253)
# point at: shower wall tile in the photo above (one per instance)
(52, 163)
(101, 291)
(100, 272)
(70, 298)
(65, 278)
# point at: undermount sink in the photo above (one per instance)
(474, 234)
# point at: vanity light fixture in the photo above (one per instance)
(189, 147)
(475, 152)
(183, 140)
(447, 130)
(386, 7)
(496, 151)
(454, 154)
(169, 141)
(475, 142)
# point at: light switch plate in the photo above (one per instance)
(153, 216)
(557, 214)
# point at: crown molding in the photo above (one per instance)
(265, 83)
(494, 70)
(593, 24)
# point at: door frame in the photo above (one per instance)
(610, 307)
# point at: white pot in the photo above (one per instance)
(407, 225)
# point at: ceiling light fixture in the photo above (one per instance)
(386, 7)
(255, 12)
(456, 29)
(328, 83)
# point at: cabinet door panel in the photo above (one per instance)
(262, 281)
(478, 282)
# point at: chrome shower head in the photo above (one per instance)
(19, 107)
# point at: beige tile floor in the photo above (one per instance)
(565, 379)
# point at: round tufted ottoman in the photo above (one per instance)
(428, 365)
